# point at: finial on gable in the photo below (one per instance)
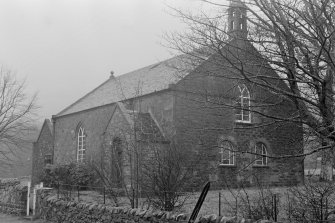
(111, 75)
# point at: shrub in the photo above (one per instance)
(165, 176)
(68, 174)
(312, 202)
(254, 203)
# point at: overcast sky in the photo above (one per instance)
(66, 48)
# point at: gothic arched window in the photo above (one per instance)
(242, 108)
(227, 153)
(261, 153)
(81, 145)
(116, 161)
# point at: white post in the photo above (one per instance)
(34, 201)
(28, 195)
(37, 187)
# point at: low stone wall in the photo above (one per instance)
(12, 196)
(53, 209)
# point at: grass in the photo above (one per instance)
(230, 206)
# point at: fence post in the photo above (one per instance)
(104, 195)
(274, 206)
(136, 194)
(219, 203)
(78, 187)
(326, 208)
(28, 198)
(34, 199)
(321, 209)
(133, 198)
(165, 201)
(58, 191)
(236, 206)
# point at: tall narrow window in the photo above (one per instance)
(116, 160)
(81, 145)
(227, 153)
(242, 109)
(261, 158)
(232, 25)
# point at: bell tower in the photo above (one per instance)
(237, 19)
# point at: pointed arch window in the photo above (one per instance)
(81, 145)
(232, 25)
(116, 161)
(227, 153)
(242, 108)
(261, 153)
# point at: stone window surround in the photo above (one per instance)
(252, 145)
(231, 157)
(242, 89)
(260, 148)
(81, 144)
(233, 143)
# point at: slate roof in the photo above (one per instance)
(144, 124)
(48, 123)
(155, 77)
(50, 126)
(148, 128)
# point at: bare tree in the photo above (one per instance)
(167, 174)
(16, 116)
(295, 38)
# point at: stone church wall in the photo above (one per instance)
(160, 105)
(94, 121)
(202, 120)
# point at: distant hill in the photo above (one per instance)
(19, 158)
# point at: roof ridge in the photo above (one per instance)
(154, 77)
(108, 80)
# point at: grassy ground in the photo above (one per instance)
(301, 202)
(230, 201)
(229, 204)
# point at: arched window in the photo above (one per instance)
(242, 109)
(261, 153)
(227, 153)
(81, 145)
(116, 161)
(232, 25)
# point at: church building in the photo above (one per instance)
(201, 106)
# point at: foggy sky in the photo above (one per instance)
(66, 48)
